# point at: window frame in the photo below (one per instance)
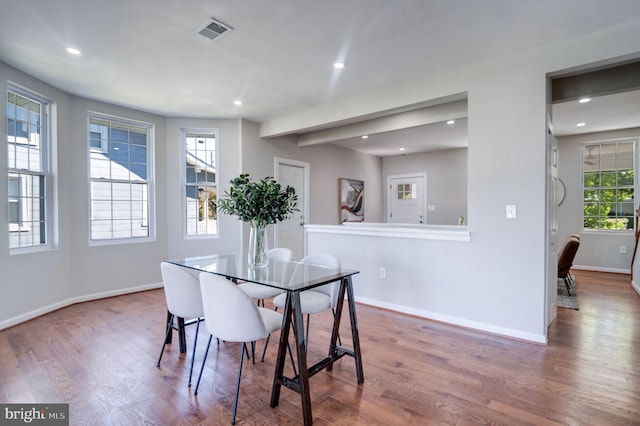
(183, 173)
(45, 174)
(600, 143)
(149, 181)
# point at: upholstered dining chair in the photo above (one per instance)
(565, 260)
(231, 316)
(182, 291)
(318, 299)
(261, 292)
(569, 276)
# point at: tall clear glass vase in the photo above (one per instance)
(258, 247)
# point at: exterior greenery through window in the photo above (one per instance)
(120, 176)
(200, 148)
(609, 185)
(29, 190)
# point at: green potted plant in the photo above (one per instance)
(258, 203)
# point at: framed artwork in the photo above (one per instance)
(351, 200)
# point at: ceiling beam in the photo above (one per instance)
(440, 113)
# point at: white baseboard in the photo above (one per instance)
(72, 301)
(600, 269)
(635, 286)
(507, 332)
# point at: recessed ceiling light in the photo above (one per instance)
(451, 121)
(401, 149)
(238, 103)
(73, 51)
(581, 124)
(338, 65)
(584, 100)
(365, 136)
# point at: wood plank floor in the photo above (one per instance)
(100, 357)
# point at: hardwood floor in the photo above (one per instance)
(101, 357)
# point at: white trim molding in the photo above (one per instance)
(459, 322)
(391, 230)
(72, 301)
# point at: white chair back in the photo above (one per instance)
(229, 312)
(281, 253)
(328, 261)
(182, 291)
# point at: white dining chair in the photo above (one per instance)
(260, 292)
(231, 316)
(320, 298)
(182, 292)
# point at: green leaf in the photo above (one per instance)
(260, 203)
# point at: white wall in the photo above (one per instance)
(598, 250)
(497, 279)
(35, 280)
(327, 162)
(36, 283)
(229, 236)
(113, 267)
(446, 182)
(500, 277)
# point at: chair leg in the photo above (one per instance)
(193, 355)
(204, 360)
(244, 349)
(566, 284)
(264, 351)
(164, 342)
(235, 400)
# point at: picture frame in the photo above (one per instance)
(351, 200)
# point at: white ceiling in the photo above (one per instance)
(278, 60)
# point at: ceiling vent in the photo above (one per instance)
(213, 30)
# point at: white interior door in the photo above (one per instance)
(290, 233)
(406, 198)
(551, 289)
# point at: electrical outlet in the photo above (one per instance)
(382, 273)
(511, 211)
(623, 249)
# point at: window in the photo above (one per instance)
(120, 175)
(29, 182)
(609, 185)
(407, 191)
(200, 181)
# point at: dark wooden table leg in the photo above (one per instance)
(301, 351)
(282, 353)
(354, 331)
(182, 336)
(336, 321)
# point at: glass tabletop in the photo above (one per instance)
(287, 276)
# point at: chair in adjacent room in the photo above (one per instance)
(320, 298)
(231, 316)
(260, 292)
(182, 291)
(576, 236)
(565, 260)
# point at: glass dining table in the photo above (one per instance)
(293, 278)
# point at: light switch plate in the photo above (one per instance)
(511, 211)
